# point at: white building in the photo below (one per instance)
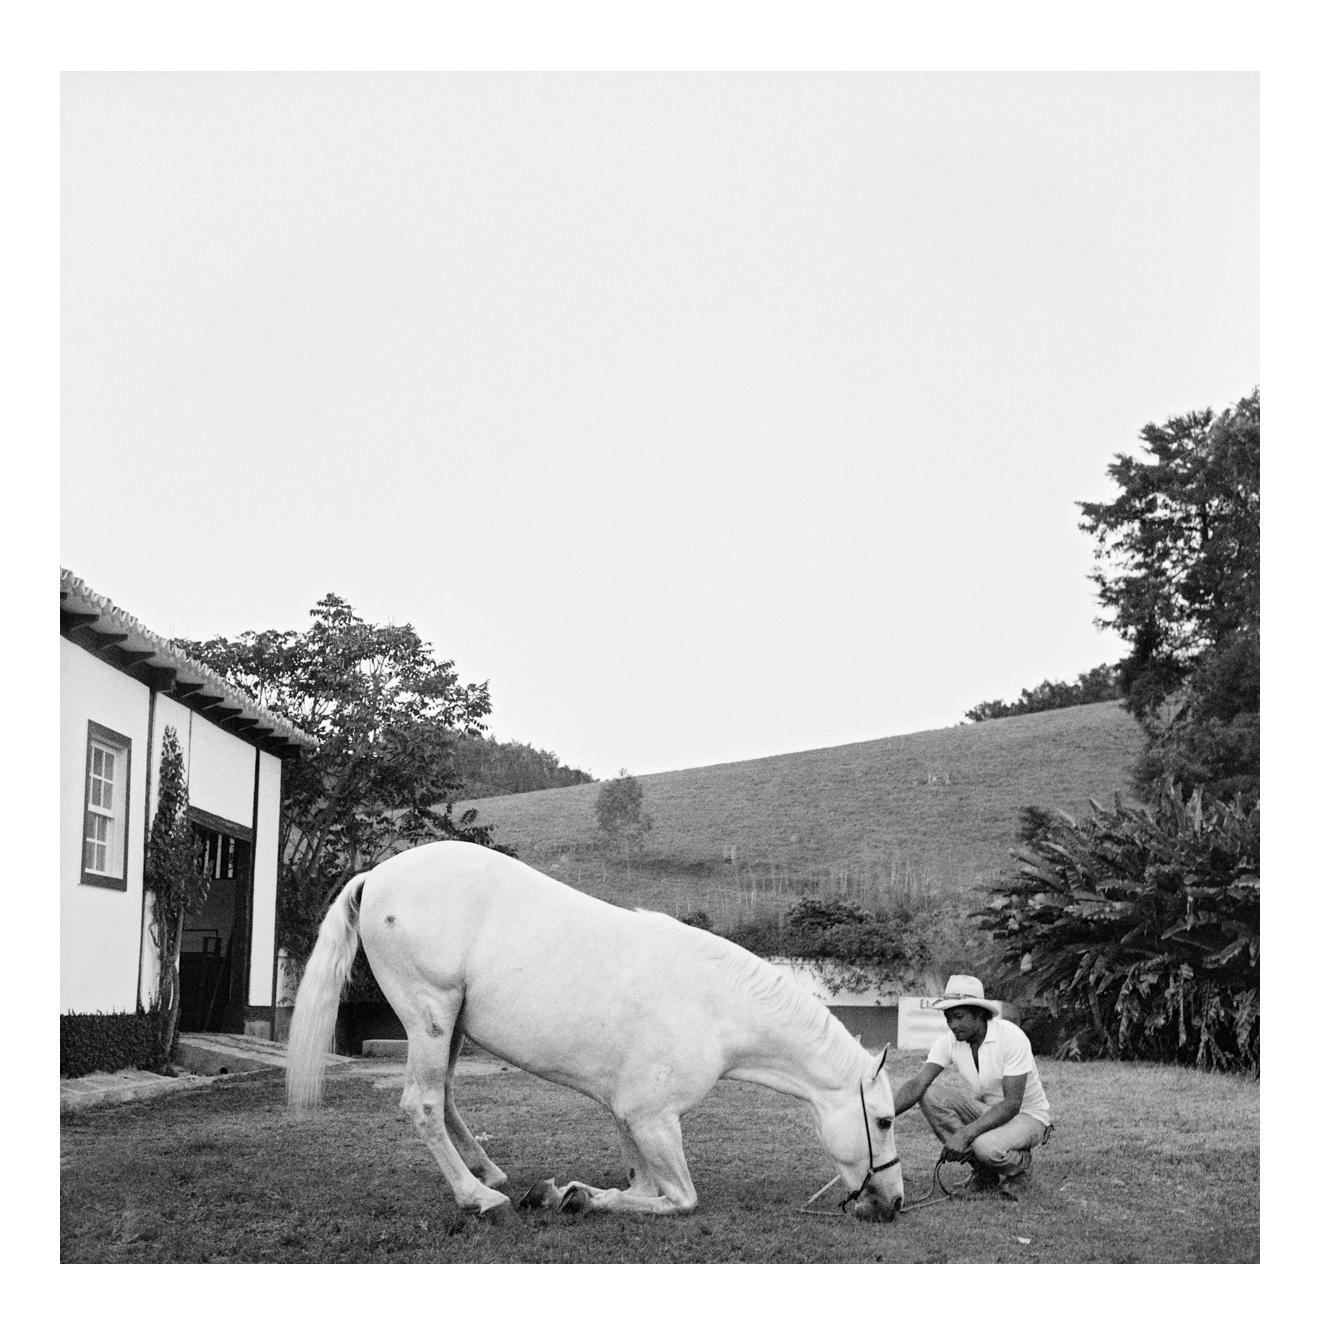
(120, 687)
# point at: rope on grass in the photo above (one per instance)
(930, 1198)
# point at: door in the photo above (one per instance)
(213, 960)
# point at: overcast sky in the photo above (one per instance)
(705, 416)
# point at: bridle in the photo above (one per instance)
(870, 1155)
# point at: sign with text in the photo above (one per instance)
(919, 1023)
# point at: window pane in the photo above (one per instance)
(96, 844)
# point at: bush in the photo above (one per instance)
(902, 942)
(101, 1042)
(1139, 931)
(623, 823)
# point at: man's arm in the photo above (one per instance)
(1015, 1086)
(910, 1091)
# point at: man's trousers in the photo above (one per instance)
(1003, 1150)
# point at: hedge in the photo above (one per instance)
(101, 1042)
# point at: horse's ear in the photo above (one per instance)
(880, 1065)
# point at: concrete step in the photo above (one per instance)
(224, 1054)
(387, 1049)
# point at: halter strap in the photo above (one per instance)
(870, 1154)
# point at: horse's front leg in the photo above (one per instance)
(549, 1195)
(658, 1173)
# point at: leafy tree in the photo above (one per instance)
(623, 823)
(1100, 683)
(175, 885)
(1179, 576)
(384, 711)
(1139, 930)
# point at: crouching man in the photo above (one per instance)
(1006, 1114)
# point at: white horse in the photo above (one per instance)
(640, 1012)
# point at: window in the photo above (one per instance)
(105, 817)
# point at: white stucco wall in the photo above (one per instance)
(265, 870)
(221, 770)
(100, 928)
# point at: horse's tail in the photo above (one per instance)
(317, 1004)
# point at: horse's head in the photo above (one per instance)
(858, 1132)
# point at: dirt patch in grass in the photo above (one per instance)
(1148, 1165)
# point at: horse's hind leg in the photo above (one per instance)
(479, 1163)
(425, 1094)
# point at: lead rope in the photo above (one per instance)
(937, 1180)
(921, 1202)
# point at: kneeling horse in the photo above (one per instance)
(634, 1009)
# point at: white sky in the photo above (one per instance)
(707, 416)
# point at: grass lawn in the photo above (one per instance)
(1149, 1164)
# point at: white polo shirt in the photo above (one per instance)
(1005, 1050)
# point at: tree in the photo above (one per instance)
(490, 768)
(1100, 683)
(1178, 573)
(384, 711)
(174, 884)
(1139, 930)
(623, 823)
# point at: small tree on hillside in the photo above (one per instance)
(623, 823)
(172, 879)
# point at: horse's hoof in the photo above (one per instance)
(543, 1196)
(498, 1216)
(576, 1201)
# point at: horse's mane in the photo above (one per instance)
(789, 1007)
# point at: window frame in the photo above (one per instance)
(107, 739)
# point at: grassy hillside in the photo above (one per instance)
(922, 815)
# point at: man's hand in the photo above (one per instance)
(958, 1145)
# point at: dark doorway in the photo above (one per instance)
(213, 960)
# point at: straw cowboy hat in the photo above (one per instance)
(964, 990)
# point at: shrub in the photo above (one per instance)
(623, 823)
(101, 1042)
(1139, 931)
(902, 942)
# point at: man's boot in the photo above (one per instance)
(1016, 1182)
